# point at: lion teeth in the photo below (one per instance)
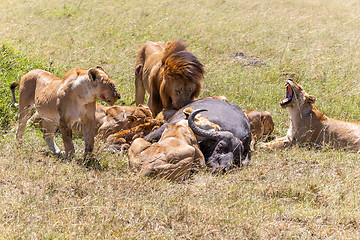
(285, 100)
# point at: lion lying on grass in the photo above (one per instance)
(169, 73)
(127, 136)
(118, 118)
(61, 102)
(174, 155)
(308, 125)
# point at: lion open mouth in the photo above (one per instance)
(289, 95)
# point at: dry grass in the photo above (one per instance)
(294, 193)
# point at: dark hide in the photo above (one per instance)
(230, 118)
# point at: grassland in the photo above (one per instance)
(294, 193)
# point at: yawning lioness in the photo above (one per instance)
(308, 125)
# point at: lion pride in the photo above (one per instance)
(308, 125)
(169, 73)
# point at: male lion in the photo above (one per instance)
(308, 125)
(61, 102)
(169, 73)
(174, 156)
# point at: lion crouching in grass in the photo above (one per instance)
(308, 125)
(174, 156)
(61, 102)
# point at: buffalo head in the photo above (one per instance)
(227, 147)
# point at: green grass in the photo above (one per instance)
(13, 65)
(294, 193)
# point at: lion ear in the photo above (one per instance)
(187, 112)
(101, 68)
(94, 74)
(131, 118)
(310, 99)
(138, 69)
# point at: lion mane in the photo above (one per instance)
(169, 73)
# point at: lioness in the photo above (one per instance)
(169, 73)
(308, 125)
(60, 102)
(174, 155)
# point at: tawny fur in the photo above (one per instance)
(140, 129)
(173, 156)
(169, 73)
(261, 125)
(308, 125)
(61, 102)
(118, 118)
(109, 120)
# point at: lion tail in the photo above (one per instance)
(12, 88)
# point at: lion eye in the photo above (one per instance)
(177, 92)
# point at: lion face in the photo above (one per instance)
(106, 90)
(296, 95)
(177, 92)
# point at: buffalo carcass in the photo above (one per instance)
(224, 148)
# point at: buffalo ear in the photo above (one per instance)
(310, 99)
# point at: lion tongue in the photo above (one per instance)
(289, 95)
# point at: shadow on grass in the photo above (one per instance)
(91, 163)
